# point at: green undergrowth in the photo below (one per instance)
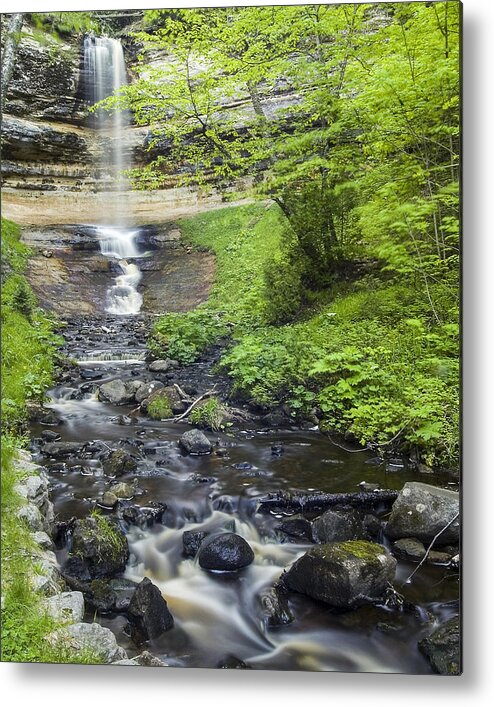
(28, 342)
(364, 354)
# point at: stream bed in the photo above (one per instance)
(218, 617)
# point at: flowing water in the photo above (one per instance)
(219, 614)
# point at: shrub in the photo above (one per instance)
(208, 414)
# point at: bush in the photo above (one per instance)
(207, 414)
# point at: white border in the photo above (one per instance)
(79, 686)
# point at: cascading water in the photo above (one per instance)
(104, 67)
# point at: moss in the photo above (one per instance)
(362, 549)
(160, 407)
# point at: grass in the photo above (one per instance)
(160, 407)
(208, 414)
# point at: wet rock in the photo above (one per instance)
(195, 442)
(142, 516)
(297, 527)
(50, 436)
(421, 511)
(146, 390)
(343, 574)
(124, 590)
(123, 491)
(231, 662)
(68, 606)
(109, 499)
(438, 558)
(200, 479)
(274, 607)
(148, 613)
(101, 547)
(123, 420)
(409, 548)
(88, 638)
(337, 526)
(442, 648)
(115, 392)
(101, 596)
(192, 540)
(62, 450)
(226, 553)
(119, 462)
(277, 449)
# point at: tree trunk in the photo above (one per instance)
(12, 39)
(311, 501)
(256, 100)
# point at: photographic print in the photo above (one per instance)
(230, 337)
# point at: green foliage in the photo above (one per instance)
(105, 534)
(160, 407)
(28, 342)
(62, 25)
(208, 414)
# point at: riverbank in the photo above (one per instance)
(360, 358)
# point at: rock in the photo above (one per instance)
(122, 490)
(338, 526)
(274, 607)
(421, 511)
(68, 606)
(161, 366)
(231, 662)
(145, 658)
(442, 648)
(277, 449)
(31, 516)
(124, 590)
(115, 392)
(192, 540)
(109, 499)
(101, 596)
(438, 558)
(195, 442)
(227, 552)
(46, 580)
(148, 613)
(343, 574)
(119, 462)
(62, 450)
(297, 527)
(100, 545)
(88, 638)
(409, 548)
(50, 436)
(43, 540)
(142, 516)
(147, 389)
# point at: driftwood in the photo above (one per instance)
(307, 501)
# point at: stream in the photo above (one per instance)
(218, 615)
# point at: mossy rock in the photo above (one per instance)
(100, 546)
(344, 575)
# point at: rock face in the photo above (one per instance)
(100, 547)
(148, 613)
(195, 442)
(344, 575)
(421, 511)
(442, 648)
(226, 553)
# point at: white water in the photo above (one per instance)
(105, 71)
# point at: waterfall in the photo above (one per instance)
(105, 73)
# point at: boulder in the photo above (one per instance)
(195, 442)
(101, 596)
(115, 392)
(297, 527)
(409, 548)
(119, 462)
(68, 606)
(338, 526)
(421, 511)
(148, 613)
(161, 366)
(100, 545)
(344, 574)
(192, 540)
(90, 639)
(274, 607)
(443, 648)
(146, 390)
(142, 516)
(62, 450)
(226, 553)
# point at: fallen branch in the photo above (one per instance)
(408, 579)
(318, 500)
(181, 392)
(201, 397)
